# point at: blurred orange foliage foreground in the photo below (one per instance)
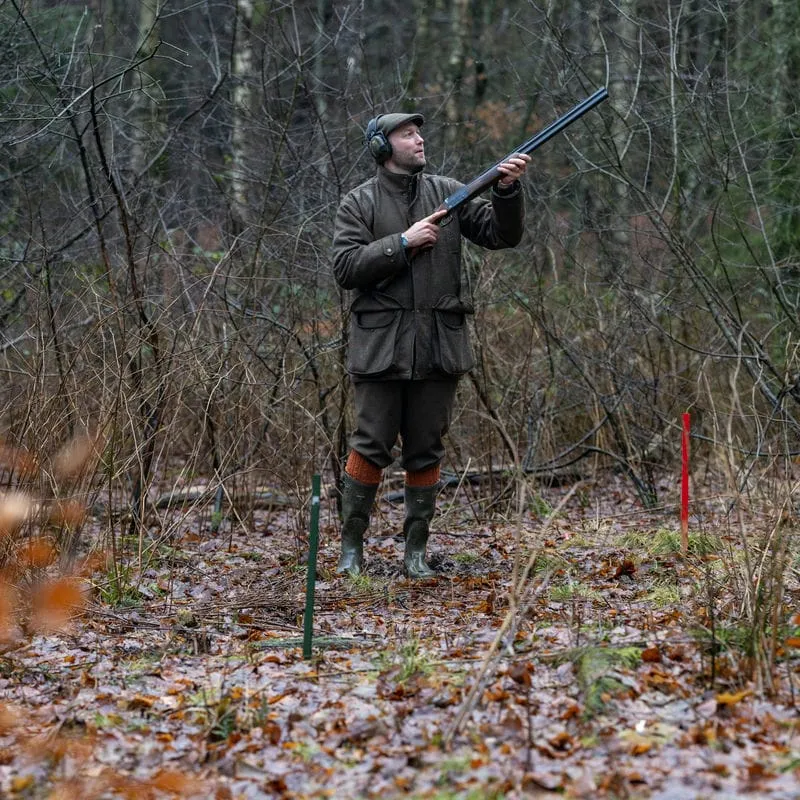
(42, 587)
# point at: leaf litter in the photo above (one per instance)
(183, 676)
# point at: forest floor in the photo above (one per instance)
(624, 671)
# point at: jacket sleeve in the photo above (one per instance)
(495, 223)
(359, 260)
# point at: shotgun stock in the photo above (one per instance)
(492, 175)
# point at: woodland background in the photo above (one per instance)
(168, 321)
(171, 171)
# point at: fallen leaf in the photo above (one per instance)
(8, 602)
(139, 702)
(56, 603)
(726, 699)
(627, 567)
(521, 673)
(38, 553)
(175, 782)
(21, 783)
(9, 718)
(651, 654)
(542, 780)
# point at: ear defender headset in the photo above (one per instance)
(379, 147)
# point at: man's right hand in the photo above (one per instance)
(424, 233)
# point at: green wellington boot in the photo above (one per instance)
(420, 506)
(357, 500)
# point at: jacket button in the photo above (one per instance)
(389, 251)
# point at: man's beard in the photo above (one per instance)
(412, 165)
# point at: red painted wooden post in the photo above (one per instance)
(685, 484)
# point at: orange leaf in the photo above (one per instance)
(9, 718)
(726, 699)
(38, 552)
(57, 602)
(793, 641)
(7, 611)
(175, 782)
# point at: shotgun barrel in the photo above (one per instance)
(492, 175)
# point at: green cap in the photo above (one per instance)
(386, 123)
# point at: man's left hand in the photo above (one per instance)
(513, 169)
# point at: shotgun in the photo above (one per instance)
(492, 175)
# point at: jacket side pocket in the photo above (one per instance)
(374, 325)
(452, 352)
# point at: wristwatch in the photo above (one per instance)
(403, 241)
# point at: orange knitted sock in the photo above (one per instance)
(424, 477)
(362, 470)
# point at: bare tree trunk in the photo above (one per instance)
(459, 32)
(243, 67)
(146, 90)
(622, 54)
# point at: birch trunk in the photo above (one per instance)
(243, 69)
(146, 90)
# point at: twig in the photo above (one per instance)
(516, 592)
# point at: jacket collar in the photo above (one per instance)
(397, 182)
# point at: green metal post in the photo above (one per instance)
(311, 575)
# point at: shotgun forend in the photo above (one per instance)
(492, 175)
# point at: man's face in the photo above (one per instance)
(408, 150)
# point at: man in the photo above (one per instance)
(409, 340)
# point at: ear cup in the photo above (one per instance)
(378, 144)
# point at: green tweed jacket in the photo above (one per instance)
(408, 315)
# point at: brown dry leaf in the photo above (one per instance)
(15, 509)
(8, 605)
(9, 718)
(129, 788)
(57, 602)
(140, 702)
(76, 787)
(272, 732)
(75, 457)
(19, 460)
(92, 563)
(531, 781)
(521, 673)
(176, 782)
(651, 654)
(627, 567)
(38, 553)
(637, 743)
(562, 741)
(69, 513)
